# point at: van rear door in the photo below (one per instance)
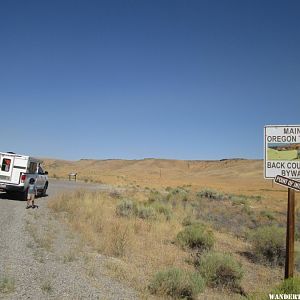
(6, 166)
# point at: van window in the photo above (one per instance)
(41, 171)
(5, 164)
(32, 167)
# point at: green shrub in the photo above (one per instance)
(268, 244)
(220, 270)
(190, 220)
(146, 212)
(163, 209)
(7, 285)
(126, 208)
(187, 221)
(177, 195)
(288, 286)
(129, 208)
(177, 283)
(241, 198)
(267, 214)
(115, 194)
(211, 194)
(155, 196)
(196, 236)
(255, 197)
(236, 200)
(247, 210)
(178, 190)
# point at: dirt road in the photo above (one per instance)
(41, 259)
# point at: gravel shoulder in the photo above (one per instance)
(40, 258)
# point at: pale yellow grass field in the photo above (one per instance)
(230, 176)
(142, 247)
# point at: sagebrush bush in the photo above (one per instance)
(267, 214)
(129, 208)
(211, 194)
(288, 286)
(190, 220)
(126, 208)
(178, 190)
(163, 209)
(155, 196)
(177, 195)
(146, 212)
(220, 270)
(115, 194)
(177, 283)
(236, 200)
(196, 236)
(187, 221)
(119, 240)
(268, 244)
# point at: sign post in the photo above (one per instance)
(282, 164)
(290, 236)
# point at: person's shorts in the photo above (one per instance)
(30, 197)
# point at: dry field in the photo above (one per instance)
(229, 176)
(138, 226)
(142, 244)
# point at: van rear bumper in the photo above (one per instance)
(6, 187)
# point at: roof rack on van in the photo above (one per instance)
(10, 152)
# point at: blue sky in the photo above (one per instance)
(134, 79)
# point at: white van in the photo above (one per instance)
(16, 170)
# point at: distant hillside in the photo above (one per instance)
(231, 175)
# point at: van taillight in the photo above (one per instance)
(23, 177)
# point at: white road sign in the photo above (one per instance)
(282, 151)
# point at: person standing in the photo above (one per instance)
(31, 193)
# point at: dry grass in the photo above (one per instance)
(39, 237)
(7, 285)
(46, 286)
(229, 176)
(139, 242)
(140, 247)
(69, 256)
(137, 248)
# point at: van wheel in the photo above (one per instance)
(44, 192)
(23, 195)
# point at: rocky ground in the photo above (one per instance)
(41, 259)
